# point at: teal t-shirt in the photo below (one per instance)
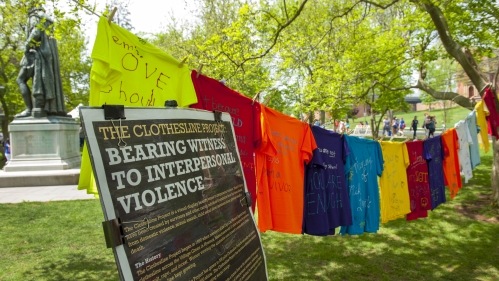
(363, 166)
(474, 153)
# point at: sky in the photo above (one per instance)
(146, 15)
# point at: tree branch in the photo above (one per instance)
(456, 50)
(455, 97)
(381, 6)
(285, 10)
(276, 36)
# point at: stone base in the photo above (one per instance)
(41, 144)
(39, 178)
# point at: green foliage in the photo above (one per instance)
(75, 65)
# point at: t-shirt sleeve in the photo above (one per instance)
(308, 145)
(185, 88)
(379, 160)
(469, 140)
(426, 150)
(268, 145)
(407, 161)
(257, 128)
(199, 88)
(455, 139)
(350, 158)
(317, 160)
(441, 149)
(106, 68)
(345, 150)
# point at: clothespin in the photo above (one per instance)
(485, 87)
(267, 101)
(255, 98)
(182, 62)
(111, 16)
(199, 70)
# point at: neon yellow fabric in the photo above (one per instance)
(481, 113)
(128, 70)
(394, 189)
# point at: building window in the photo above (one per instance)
(471, 92)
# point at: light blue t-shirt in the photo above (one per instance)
(474, 153)
(363, 166)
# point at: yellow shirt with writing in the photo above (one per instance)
(129, 71)
(394, 189)
(481, 113)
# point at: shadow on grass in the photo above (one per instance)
(74, 267)
(444, 246)
(456, 249)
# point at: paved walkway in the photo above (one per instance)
(42, 194)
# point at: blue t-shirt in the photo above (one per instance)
(434, 155)
(327, 205)
(363, 166)
(474, 153)
(7, 148)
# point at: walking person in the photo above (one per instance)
(414, 126)
(425, 119)
(341, 128)
(386, 127)
(402, 126)
(430, 125)
(395, 126)
(7, 151)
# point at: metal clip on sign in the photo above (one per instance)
(246, 200)
(218, 120)
(113, 232)
(113, 112)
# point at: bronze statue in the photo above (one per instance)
(41, 64)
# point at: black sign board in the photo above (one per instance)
(173, 182)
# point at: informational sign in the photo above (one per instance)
(172, 177)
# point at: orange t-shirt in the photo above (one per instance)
(451, 162)
(286, 145)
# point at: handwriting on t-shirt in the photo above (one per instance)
(323, 195)
(133, 61)
(285, 143)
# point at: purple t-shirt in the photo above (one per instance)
(434, 155)
(326, 205)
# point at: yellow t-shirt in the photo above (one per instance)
(481, 113)
(129, 71)
(394, 190)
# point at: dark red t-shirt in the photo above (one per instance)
(493, 118)
(213, 95)
(419, 185)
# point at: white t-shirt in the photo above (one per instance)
(465, 140)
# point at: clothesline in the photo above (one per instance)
(338, 186)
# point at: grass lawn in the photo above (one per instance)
(458, 241)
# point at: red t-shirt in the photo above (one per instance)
(493, 118)
(213, 95)
(418, 181)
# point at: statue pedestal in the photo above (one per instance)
(44, 144)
